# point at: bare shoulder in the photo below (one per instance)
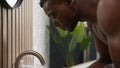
(108, 15)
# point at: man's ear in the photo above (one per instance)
(70, 2)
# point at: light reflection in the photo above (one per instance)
(11, 2)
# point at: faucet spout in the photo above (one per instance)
(29, 52)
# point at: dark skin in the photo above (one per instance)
(100, 15)
(108, 14)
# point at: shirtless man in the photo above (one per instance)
(102, 18)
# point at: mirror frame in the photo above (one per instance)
(6, 5)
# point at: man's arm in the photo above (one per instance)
(104, 58)
(108, 14)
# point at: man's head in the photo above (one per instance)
(63, 12)
(66, 13)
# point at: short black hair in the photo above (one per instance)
(42, 2)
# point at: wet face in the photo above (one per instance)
(62, 13)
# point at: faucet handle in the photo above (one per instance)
(29, 52)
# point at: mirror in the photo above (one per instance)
(11, 3)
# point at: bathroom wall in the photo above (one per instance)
(15, 32)
(40, 32)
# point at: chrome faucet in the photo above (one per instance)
(29, 52)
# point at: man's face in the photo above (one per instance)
(62, 14)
